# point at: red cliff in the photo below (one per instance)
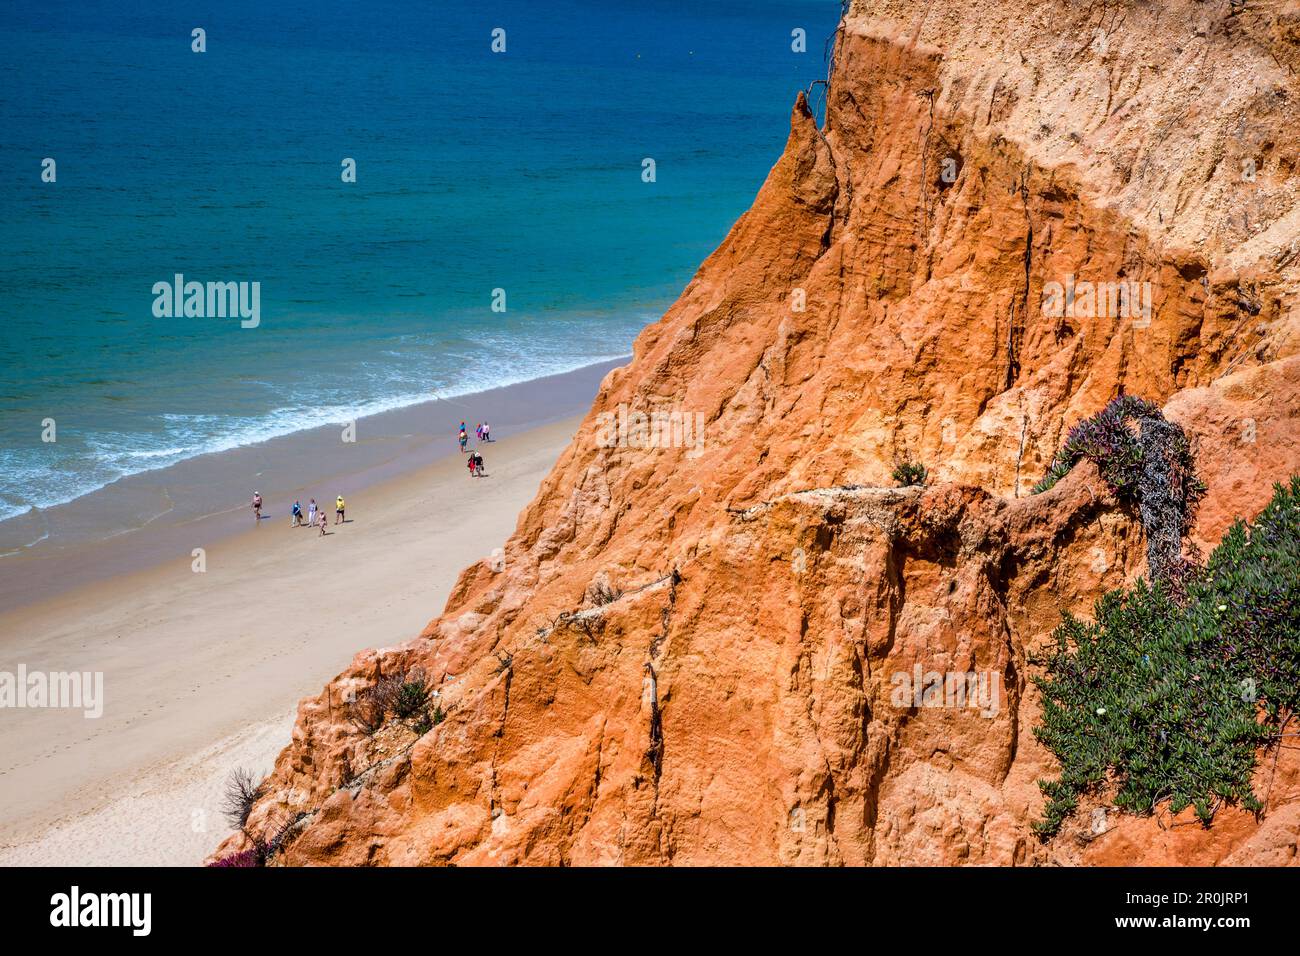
(690, 653)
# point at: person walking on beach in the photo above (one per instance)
(487, 433)
(296, 519)
(311, 513)
(257, 506)
(478, 464)
(338, 509)
(470, 462)
(478, 432)
(464, 438)
(324, 523)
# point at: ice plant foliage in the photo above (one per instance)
(1108, 440)
(240, 858)
(1169, 697)
(1147, 462)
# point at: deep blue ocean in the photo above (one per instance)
(475, 171)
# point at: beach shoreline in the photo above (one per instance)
(200, 669)
(143, 519)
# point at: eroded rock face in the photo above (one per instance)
(706, 653)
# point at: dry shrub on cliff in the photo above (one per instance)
(405, 697)
(242, 791)
(1160, 693)
(262, 851)
(284, 833)
(372, 705)
(600, 592)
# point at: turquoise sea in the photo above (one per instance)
(476, 170)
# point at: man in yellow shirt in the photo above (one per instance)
(338, 509)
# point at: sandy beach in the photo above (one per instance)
(202, 671)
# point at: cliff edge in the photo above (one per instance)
(689, 652)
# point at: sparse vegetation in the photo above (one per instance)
(1161, 694)
(600, 592)
(279, 839)
(262, 851)
(242, 791)
(373, 703)
(412, 695)
(428, 719)
(909, 473)
(406, 698)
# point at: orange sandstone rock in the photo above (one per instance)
(745, 698)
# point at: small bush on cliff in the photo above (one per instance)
(1159, 695)
(909, 473)
(372, 705)
(404, 697)
(428, 719)
(262, 851)
(600, 592)
(412, 695)
(242, 791)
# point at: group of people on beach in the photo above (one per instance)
(475, 460)
(315, 516)
(483, 431)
